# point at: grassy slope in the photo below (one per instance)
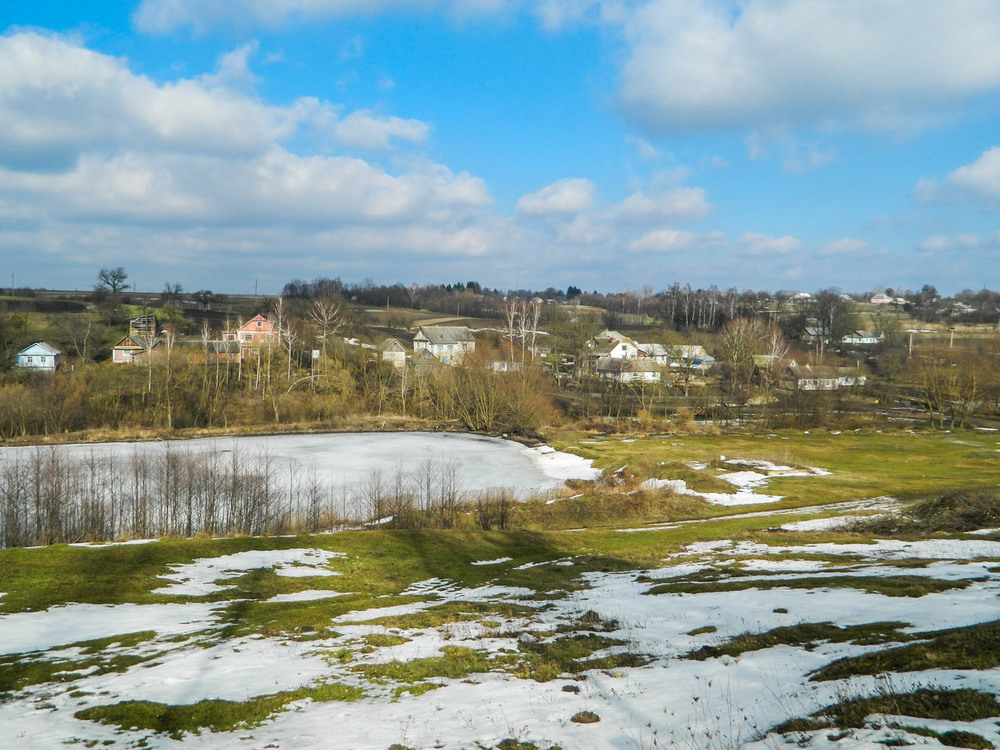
(379, 565)
(903, 465)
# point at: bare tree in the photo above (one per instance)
(328, 315)
(111, 279)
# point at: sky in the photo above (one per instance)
(235, 145)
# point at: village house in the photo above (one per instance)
(222, 352)
(449, 344)
(134, 345)
(822, 378)
(252, 335)
(810, 378)
(690, 357)
(629, 370)
(848, 377)
(862, 338)
(392, 350)
(613, 345)
(142, 337)
(39, 356)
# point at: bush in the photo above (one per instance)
(955, 512)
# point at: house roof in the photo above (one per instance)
(137, 341)
(39, 349)
(810, 372)
(615, 364)
(439, 335)
(691, 351)
(252, 324)
(655, 350)
(391, 343)
(223, 347)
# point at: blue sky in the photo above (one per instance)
(766, 144)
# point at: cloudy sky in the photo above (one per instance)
(766, 144)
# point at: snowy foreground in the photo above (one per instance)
(723, 702)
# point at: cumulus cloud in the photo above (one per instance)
(977, 183)
(92, 153)
(697, 64)
(939, 243)
(563, 197)
(364, 129)
(58, 99)
(844, 246)
(761, 244)
(676, 241)
(675, 204)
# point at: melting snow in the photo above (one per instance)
(719, 702)
(197, 578)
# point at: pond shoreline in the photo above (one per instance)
(389, 424)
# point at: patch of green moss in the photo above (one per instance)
(912, 586)
(213, 715)
(971, 647)
(804, 634)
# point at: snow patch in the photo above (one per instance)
(198, 578)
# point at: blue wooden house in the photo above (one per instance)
(39, 356)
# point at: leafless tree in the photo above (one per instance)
(328, 315)
(112, 279)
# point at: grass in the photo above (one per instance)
(541, 660)
(385, 640)
(807, 635)
(213, 715)
(449, 612)
(911, 466)
(546, 660)
(611, 508)
(912, 586)
(18, 671)
(954, 512)
(925, 703)
(974, 647)
(455, 663)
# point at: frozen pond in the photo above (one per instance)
(347, 459)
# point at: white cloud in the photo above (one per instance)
(234, 70)
(977, 183)
(97, 161)
(697, 64)
(675, 204)
(676, 241)
(363, 129)
(563, 197)
(967, 241)
(845, 246)
(57, 99)
(761, 244)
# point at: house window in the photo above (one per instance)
(248, 337)
(260, 323)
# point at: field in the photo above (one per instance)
(632, 614)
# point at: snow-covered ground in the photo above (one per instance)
(746, 481)
(671, 702)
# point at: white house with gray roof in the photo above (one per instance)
(449, 344)
(39, 356)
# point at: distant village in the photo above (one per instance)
(717, 354)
